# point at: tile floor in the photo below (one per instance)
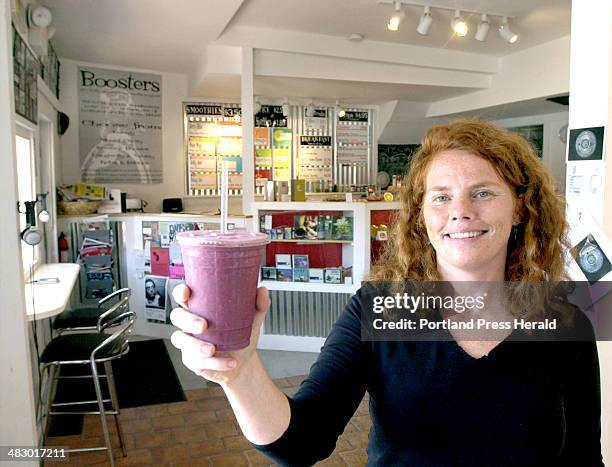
(200, 432)
(203, 430)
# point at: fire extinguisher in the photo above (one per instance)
(63, 248)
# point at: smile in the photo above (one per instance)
(476, 233)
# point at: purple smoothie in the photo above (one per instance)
(222, 271)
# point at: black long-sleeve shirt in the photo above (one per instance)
(432, 404)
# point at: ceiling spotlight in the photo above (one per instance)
(396, 18)
(483, 29)
(425, 22)
(256, 106)
(340, 111)
(506, 33)
(459, 25)
(285, 107)
(310, 109)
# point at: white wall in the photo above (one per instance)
(553, 151)
(540, 71)
(16, 392)
(174, 89)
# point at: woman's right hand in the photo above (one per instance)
(201, 357)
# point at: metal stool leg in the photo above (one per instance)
(94, 371)
(51, 371)
(110, 379)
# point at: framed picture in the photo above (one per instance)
(283, 261)
(586, 144)
(300, 261)
(333, 276)
(300, 275)
(284, 274)
(315, 275)
(268, 274)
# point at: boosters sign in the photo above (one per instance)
(120, 127)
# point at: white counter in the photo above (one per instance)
(50, 299)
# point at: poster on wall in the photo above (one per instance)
(120, 126)
(586, 144)
(155, 298)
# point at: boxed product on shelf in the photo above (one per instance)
(306, 226)
(324, 231)
(283, 261)
(268, 274)
(315, 275)
(300, 261)
(342, 228)
(333, 276)
(284, 274)
(300, 275)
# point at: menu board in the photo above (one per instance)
(352, 154)
(315, 158)
(261, 137)
(281, 160)
(352, 134)
(213, 134)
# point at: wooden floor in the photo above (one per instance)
(199, 432)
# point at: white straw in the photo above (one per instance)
(224, 188)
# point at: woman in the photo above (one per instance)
(478, 206)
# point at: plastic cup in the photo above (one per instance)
(222, 271)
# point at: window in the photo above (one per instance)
(26, 186)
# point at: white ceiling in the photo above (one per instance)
(152, 34)
(172, 36)
(536, 21)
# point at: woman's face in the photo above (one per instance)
(469, 212)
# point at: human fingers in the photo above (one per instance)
(181, 294)
(188, 322)
(198, 355)
(190, 344)
(263, 299)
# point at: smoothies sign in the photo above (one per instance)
(213, 133)
(120, 126)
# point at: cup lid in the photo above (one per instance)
(232, 238)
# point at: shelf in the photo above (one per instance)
(309, 287)
(311, 242)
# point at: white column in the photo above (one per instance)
(591, 106)
(16, 392)
(248, 123)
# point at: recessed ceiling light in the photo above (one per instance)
(355, 37)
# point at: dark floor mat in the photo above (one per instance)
(145, 376)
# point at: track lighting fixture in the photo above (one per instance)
(425, 22)
(285, 107)
(340, 111)
(483, 29)
(396, 18)
(459, 25)
(506, 33)
(310, 109)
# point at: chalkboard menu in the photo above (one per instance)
(25, 71)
